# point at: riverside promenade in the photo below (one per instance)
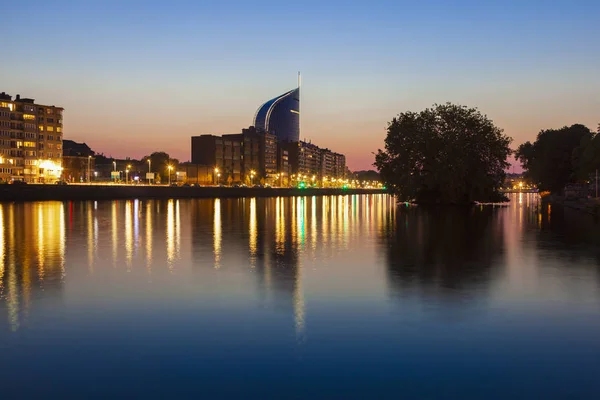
(34, 192)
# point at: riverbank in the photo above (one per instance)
(114, 192)
(589, 206)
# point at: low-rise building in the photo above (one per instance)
(78, 162)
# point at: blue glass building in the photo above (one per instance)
(281, 116)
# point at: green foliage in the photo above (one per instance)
(557, 157)
(446, 154)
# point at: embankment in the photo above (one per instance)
(590, 206)
(113, 192)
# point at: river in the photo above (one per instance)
(320, 297)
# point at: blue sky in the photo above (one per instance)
(139, 76)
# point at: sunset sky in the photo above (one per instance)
(141, 76)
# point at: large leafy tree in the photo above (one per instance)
(586, 157)
(552, 161)
(447, 154)
(160, 162)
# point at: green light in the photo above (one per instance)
(345, 187)
(384, 188)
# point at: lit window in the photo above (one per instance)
(41, 128)
(58, 129)
(28, 116)
(50, 128)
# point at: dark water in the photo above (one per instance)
(334, 297)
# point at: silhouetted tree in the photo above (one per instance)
(160, 162)
(445, 154)
(586, 157)
(552, 160)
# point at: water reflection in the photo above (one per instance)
(272, 245)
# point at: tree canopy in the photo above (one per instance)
(448, 154)
(558, 157)
(160, 162)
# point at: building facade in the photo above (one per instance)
(280, 116)
(78, 162)
(30, 140)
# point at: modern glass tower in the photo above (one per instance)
(280, 116)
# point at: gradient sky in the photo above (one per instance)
(140, 76)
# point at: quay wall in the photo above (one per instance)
(114, 192)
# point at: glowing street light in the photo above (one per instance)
(149, 169)
(115, 170)
(214, 176)
(127, 173)
(170, 168)
(252, 173)
(89, 176)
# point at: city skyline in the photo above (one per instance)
(142, 77)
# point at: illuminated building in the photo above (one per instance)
(30, 140)
(236, 155)
(280, 116)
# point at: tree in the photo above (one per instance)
(553, 160)
(160, 162)
(586, 157)
(447, 154)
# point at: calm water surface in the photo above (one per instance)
(332, 297)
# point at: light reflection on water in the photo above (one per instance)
(293, 287)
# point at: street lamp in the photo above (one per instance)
(252, 172)
(218, 178)
(149, 169)
(115, 170)
(215, 174)
(170, 167)
(89, 176)
(127, 173)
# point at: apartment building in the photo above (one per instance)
(30, 140)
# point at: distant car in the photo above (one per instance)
(195, 185)
(61, 183)
(258, 186)
(173, 184)
(19, 182)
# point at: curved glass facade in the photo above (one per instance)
(281, 116)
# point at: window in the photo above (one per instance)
(50, 145)
(48, 111)
(50, 128)
(41, 128)
(58, 129)
(58, 146)
(51, 120)
(41, 137)
(50, 137)
(29, 144)
(28, 116)
(19, 144)
(49, 155)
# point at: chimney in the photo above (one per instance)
(18, 97)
